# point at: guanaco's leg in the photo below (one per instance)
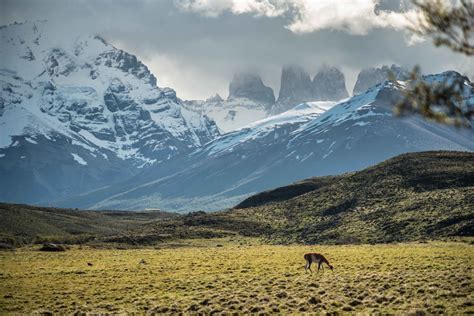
(309, 266)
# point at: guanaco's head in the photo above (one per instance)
(331, 267)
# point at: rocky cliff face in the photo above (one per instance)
(250, 100)
(370, 77)
(82, 108)
(250, 86)
(329, 84)
(295, 88)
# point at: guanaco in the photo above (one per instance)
(315, 257)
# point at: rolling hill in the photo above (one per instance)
(22, 224)
(412, 196)
(415, 196)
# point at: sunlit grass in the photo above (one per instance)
(434, 277)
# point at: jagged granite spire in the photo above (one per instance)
(250, 86)
(296, 87)
(329, 85)
(370, 77)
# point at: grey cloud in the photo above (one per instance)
(197, 55)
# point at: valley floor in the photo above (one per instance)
(240, 277)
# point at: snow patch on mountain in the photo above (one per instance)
(230, 115)
(300, 114)
(79, 159)
(350, 109)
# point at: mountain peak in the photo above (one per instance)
(215, 99)
(296, 87)
(250, 85)
(329, 84)
(370, 77)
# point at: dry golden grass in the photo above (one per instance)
(434, 277)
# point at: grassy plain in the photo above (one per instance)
(240, 276)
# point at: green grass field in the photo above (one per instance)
(433, 277)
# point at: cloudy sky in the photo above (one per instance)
(194, 46)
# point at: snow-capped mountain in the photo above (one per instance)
(310, 140)
(284, 122)
(80, 107)
(249, 100)
(225, 152)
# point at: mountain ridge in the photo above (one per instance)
(280, 150)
